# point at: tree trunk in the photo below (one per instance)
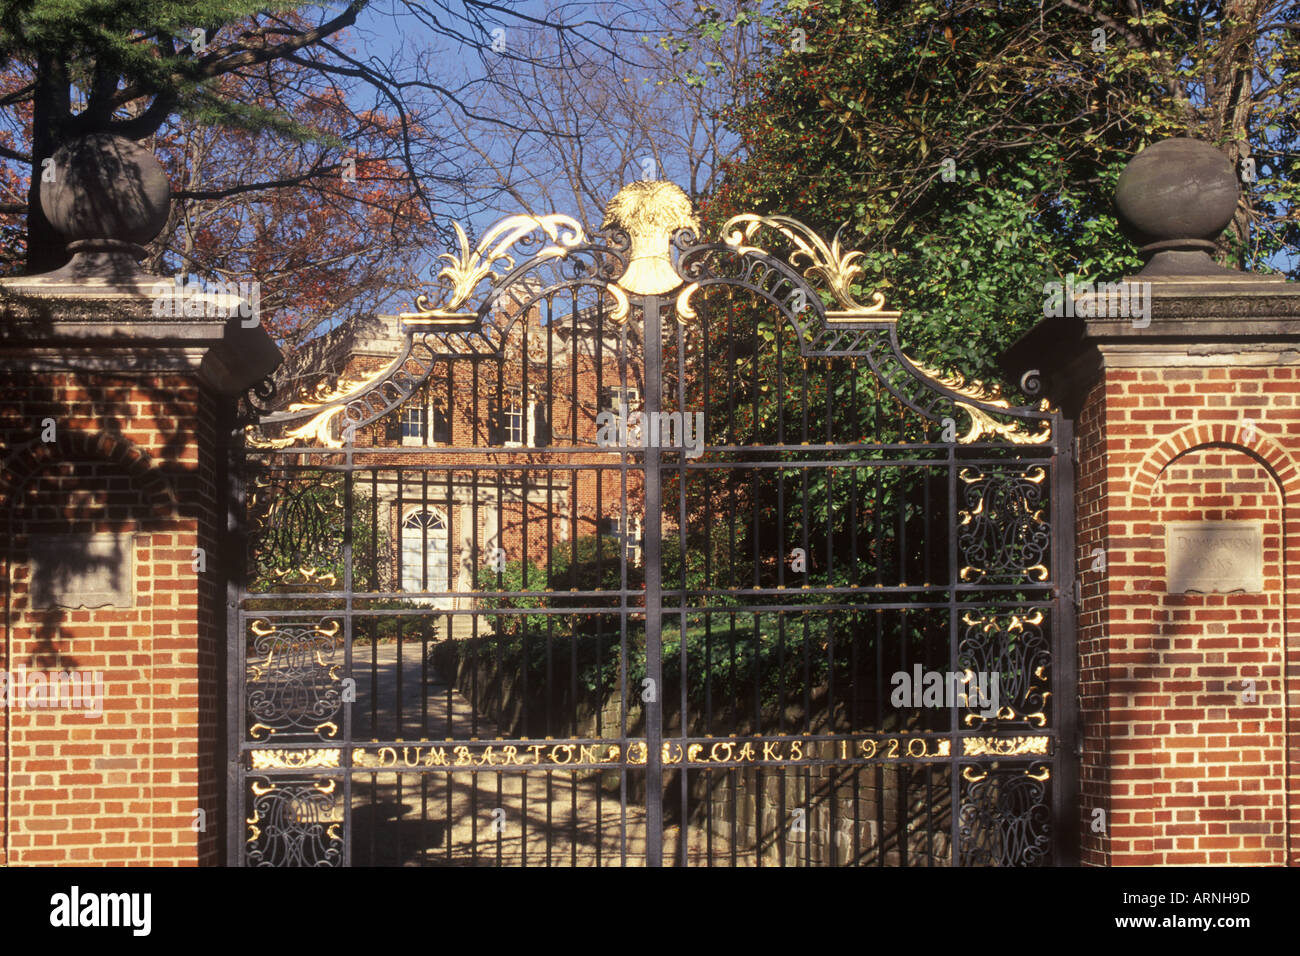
(45, 247)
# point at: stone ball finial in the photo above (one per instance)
(106, 195)
(1176, 197)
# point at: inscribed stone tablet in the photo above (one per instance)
(1215, 556)
(82, 570)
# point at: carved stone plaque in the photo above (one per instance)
(1215, 556)
(82, 570)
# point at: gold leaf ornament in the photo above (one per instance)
(650, 211)
(466, 270)
(981, 422)
(836, 266)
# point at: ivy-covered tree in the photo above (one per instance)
(973, 148)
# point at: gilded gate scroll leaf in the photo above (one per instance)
(981, 422)
(834, 266)
(463, 273)
(332, 401)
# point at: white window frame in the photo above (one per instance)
(631, 543)
(628, 395)
(516, 408)
(412, 408)
(429, 534)
(527, 428)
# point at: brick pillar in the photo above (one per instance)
(1184, 385)
(111, 476)
(1188, 534)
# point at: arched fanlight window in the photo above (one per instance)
(426, 519)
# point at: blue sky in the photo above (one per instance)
(389, 33)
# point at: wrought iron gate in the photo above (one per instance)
(646, 550)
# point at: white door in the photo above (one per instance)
(425, 555)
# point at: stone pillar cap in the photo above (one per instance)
(1175, 198)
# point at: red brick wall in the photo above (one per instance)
(1187, 768)
(134, 455)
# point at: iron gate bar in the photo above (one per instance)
(347, 647)
(653, 590)
(1065, 662)
(954, 561)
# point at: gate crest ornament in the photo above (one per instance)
(650, 211)
(643, 222)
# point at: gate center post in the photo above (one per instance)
(653, 586)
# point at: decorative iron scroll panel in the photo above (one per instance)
(821, 617)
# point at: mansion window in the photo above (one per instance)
(424, 554)
(516, 423)
(512, 427)
(414, 422)
(612, 397)
(417, 423)
(628, 532)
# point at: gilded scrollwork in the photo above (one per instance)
(1005, 818)
(294, 684)
(294, 823)
(984, 424)
(835, 266)
(982, 420)
(294, 531)
(1004, 746)
(320, 757)
(1019, 652)
(465, 272)
(1003, 534)
(989, 394)
(332, 400)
